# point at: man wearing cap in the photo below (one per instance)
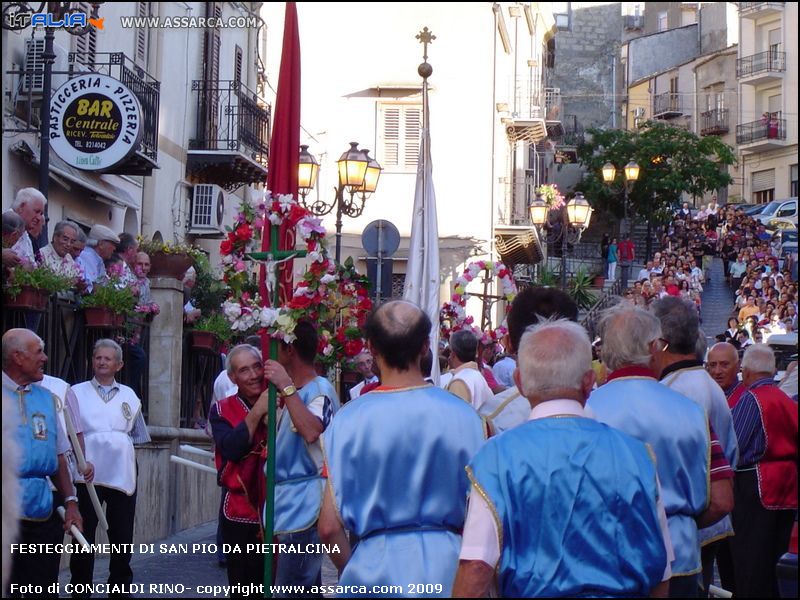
(99, 247)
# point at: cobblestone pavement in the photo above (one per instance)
(717, 304)
(178, 574)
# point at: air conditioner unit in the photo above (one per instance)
(33, 78)
(207, 209)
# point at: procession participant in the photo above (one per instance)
(111, 414)
(395, 459)
(681, 371)
(509, 408)
(722, 364)
(42, 444)
(468, 383)
(363, 363)
(309, 403)
(240, 449)
(674, 426)
(765, 419)
(604, 532)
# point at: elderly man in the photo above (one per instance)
(29, 204)
(722, 364)
(509, 408)
(681, 370)
(42, 443)
(240, 447)
(765, 419)
(56, 255)
(112, 423)
(13, 228)
(78, 245)
(128, 248)
(99, 247)
(468, 383)
(673, 425)
(363, 363)
(562, 506)
(310, 401)
(396, 474)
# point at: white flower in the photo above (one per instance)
(327, 278)
(231, 310)
(267, 316)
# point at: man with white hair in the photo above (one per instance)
(56, 254)
(765, 419)
(673, 425)
(363, 363)
(29, 204)
(467, 382)
(101, 244)
(562, 505)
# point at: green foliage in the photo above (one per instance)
(216, 324)
(209, 291)
(548, 277)
(672, 161)
(153, 246)
(40, 277)
(578, 289)
(110, 294)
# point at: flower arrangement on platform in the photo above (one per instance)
(112, 293)
(150, 309)
(453, 315)
(246, 231)
(551, 195)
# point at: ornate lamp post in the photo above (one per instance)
(358, 175)
(576, 216)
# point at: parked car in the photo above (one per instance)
(755, 209)
(784, 345)
(779, 209)
(745, 206)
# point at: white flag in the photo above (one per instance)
(422, 273)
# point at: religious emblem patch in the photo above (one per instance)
(39, 426)
(126, 411)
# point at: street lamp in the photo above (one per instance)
(576, 216)
(358, 174)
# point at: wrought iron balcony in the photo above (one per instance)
(631, 22)
(714, 122)
(767, 132)
(667, 105)
(754, 10)
(761, 67)
(231, 147)
(553, 112)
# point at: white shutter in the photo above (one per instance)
(399, 136)
(391, 137)
(411, 137)
(142, 11)
(763, 180)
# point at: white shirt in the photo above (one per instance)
(223, 387)
(503, 371)
(24, 248)
(355, 391)
(472, 379)
(506, 410)
(481, 541)
(92, 265)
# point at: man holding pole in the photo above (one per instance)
(42, 444)
(111, 414)
(240, 444)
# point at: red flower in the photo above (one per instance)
(301, 301)
(353, 347)
(340, 336)
(226, 247)
(296, 213)
(364, 304)
(244, 232)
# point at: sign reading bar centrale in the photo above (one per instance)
(95, 122)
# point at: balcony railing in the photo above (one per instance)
(770, 127)
(573, 131)
(667, 105)
(714, 122)
(770, 61)
(231, 117)
(200, 369)
(748, 8)
(633, 22)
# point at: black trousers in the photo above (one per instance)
(721, 552)
(243, 567)
(120, 512)
(39, 569)
(762, 536)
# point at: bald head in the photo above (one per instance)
(723, 364)
(23, 356)
(398, 333)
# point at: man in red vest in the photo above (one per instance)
(626, 252)
(765, 420)
(722, 364)
(240, 441)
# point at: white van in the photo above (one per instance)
(780, 210)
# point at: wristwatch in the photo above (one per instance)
(71, 499)
(287, 391)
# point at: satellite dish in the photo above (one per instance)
(380, 238)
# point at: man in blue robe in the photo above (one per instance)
(562, 506)
(395, 458)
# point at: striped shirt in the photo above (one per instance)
(749, 428)
(720, 467)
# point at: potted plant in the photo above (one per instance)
(598, 279)
(109, 304)
(578, 289)
(30, 288)
(169, 259)
(210, 332)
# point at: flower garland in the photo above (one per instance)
(334, 297)
(551, 195)
(453, 315)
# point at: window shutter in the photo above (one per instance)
(86, 44)
(763, 180)
(142, 11)
(412, 136)
(237, 66)
(391, 136)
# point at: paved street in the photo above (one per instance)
(162, 574)
(717, 303)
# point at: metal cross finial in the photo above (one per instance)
(425, 37)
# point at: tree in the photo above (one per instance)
(672, 161)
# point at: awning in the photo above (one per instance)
(104, 190)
